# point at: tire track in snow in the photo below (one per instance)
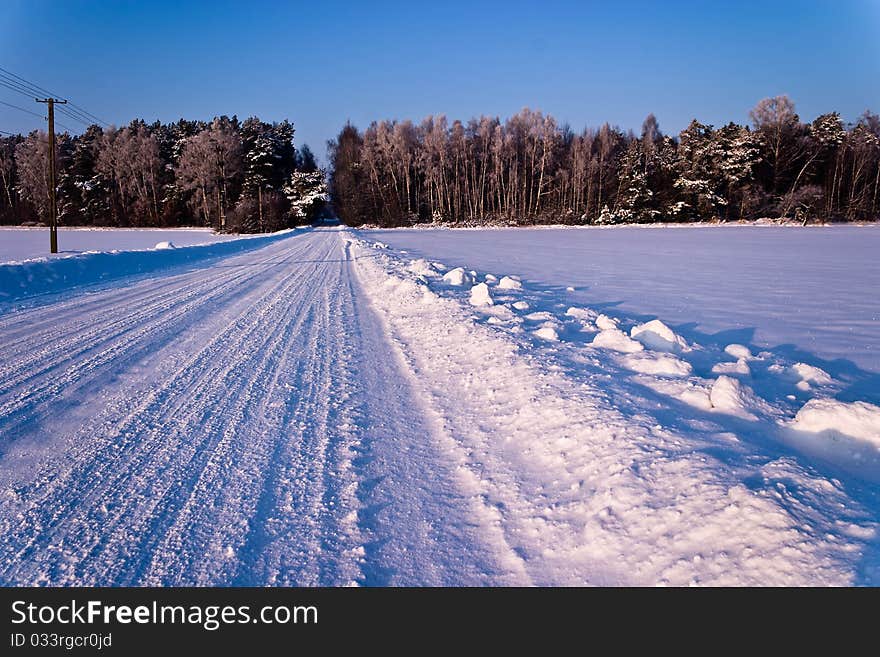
(115, 335)
(122, 468)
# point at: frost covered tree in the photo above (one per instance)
(306, 191)
(698, 181)
(523, 169)
(130, 166)
(209, 162)
(779, 126)
(32, 161)
(84, 196)
(269, 158)
(634, 197)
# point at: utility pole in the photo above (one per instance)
(53, 207)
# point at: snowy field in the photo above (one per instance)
(332, 407)
(809, 291)
(24, 243)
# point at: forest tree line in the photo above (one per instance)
(529, 170)
(230, 175)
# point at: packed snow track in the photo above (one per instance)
(321, 411)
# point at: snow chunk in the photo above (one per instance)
(732, 397)
(810, 374)
(583, 314)
(508, 283)
(422, 267)
(802, 375)
(490, 278)
(614, 338)
(604, 322)
(739, 367)
(457, 276)
(480, 295)
(659, 337)
(657, 364)
(859, 420)
(161, 246)
(520, 305)
(847, 434)
(738, 351)
(569, 289)
(547, 333)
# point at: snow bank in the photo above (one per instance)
(571, 486)
(659, 337)
(480, 295)
(46, 275)
(457, 276)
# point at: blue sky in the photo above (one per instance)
(323, 63)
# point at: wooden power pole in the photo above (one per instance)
(53, 206)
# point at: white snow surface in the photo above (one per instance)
(320, 409)
(805, 289)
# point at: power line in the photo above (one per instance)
(77, 109)
(3, 132)
(75, 117)
(28, 83)
(3, 102)
(25, 87)
(16, 87)
(35, 90)
(27, 111)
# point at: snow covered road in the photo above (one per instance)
(243, 423)
(322, 411)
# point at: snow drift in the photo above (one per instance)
(19, 280)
